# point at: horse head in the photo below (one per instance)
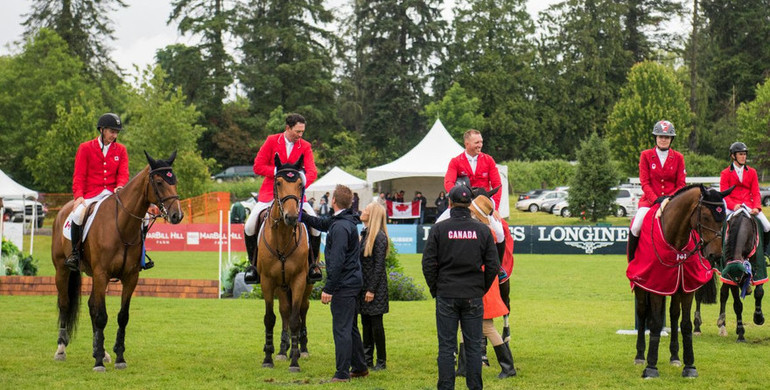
(741, 240)
(164, 194)
(707, 220)
(289, 186)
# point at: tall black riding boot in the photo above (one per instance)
(76, 235)
(484, 358)
(461, 361)
(379, 341)
(633, 242)
(251, 276)
(504, 357)
(367, 338)
(314, 273)
(766, 243)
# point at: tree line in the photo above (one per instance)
(372, 79)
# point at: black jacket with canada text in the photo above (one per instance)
(454, 254)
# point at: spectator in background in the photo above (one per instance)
(354, 204)
(400, 196)
(441, 203)
(311, 202)
(373, 303)
(323, 205)
(423, 202)
(382, 200)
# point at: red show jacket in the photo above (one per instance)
(746, 192)
(95, 172)
(264, 163)
(486, 175)
(660, 181)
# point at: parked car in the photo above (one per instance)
(552, 199)
(534, 204)
(531, 194)
(235, 172)
(18, 210)
(626, 203)
(764, 194)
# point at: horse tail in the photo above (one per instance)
(71, 314)
(708, 292)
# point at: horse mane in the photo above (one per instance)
(733, 225)
(685, 189)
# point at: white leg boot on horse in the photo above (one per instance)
(76, 235)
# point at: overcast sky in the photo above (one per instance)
(140, 29)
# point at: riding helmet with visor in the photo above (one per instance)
(738, 147)
(109, 121)
(664, 128)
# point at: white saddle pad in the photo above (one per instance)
(67, 229)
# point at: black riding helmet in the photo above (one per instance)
(664, 128)
(738, 147)
(109, 121)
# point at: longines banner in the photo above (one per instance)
(408, 238)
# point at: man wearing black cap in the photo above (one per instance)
(459, 263)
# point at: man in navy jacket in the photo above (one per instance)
(344, 281)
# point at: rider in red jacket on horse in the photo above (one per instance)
(289, 146)
(746, 191)
(101, 168)
(661, 173)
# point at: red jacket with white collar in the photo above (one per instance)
(486, 175)
(95, 172)
(745, 192)
(264, 163)
(660, 180)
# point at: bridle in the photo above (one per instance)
(695, 232)
(290, 173)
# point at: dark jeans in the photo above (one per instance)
(374, 338)
(470, 314)
(348, 349)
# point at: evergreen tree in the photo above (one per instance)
(754, 121)
(583, 65)
(396, 42)
(641, 26)
(589, 192)
(651, 94)
(84, 24)
(457, 111)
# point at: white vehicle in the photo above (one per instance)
(562, 208)
(17, 209)
(553, 198)
(626, 203)
(533, 204)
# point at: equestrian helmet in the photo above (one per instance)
(664, 128)
(738, 147)
(109, 121)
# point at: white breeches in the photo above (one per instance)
(636, 227)
(79, 213)
(762, 218)
(250, 227)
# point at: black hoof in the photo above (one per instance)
(267, 365)
(639, 361)
(650, 373)
(675, 362)
(689, 372)
(740, 340)
(759, 318)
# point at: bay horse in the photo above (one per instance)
(741, 266)
(282, 262)
(669, 262)
(112, 249)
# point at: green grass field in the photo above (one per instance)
(565, 312)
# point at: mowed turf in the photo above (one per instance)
(566, 310)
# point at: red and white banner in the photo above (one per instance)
(194, 237)
(403, 210)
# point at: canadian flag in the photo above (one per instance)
(402, 210)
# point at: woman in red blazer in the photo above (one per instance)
(661, 173)
(746, 182)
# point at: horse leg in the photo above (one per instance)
(689, 370)
(759, 292)
(642, 306)
(129, 284)
(697, 320)
(724, 292)
(98, 311)
(269, 320)
(738, 309)
(284, 298)
(295, 323)
(657, 310)
(68, 287)
(303, 351)
(674, 312)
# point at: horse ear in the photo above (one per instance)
(277, 161)
(727, 192)
(299, 164)
(171, 159)
(494, 191)
(150, 160)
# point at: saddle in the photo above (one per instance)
(89, 217)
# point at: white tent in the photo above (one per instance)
(337, 176)
(423, 168)
(12, 189)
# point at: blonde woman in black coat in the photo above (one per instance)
(373, 302)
